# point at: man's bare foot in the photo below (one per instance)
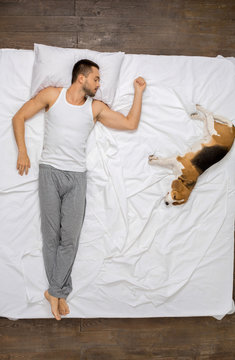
(54, 304)
(63, 307)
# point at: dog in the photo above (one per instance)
(217, 141)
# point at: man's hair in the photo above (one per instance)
(82, 67)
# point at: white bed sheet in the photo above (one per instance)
(136, 257)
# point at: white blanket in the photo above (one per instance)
(136, 257)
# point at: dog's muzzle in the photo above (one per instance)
(167, 200)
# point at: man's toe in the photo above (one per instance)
(57, 316)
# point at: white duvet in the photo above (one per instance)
(136, 257)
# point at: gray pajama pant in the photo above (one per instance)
(62, 198)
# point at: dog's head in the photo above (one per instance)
(180, 191)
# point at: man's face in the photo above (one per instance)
(92, 82)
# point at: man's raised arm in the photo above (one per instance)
(116, 120)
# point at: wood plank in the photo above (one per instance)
(37, 7)
(25, 40)
(183, 352)
(127, 25)
(39, 23)
(209, 9)
(116, 8)
(41, 354)
(142, 324)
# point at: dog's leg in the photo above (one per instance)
(209, 120)
(223, 120)
(218, 117)
(202, 109)
(202, 117)
(171, 163)
(210, 124)
(197, 116)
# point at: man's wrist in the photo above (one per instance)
(138, 91)
(22, 150)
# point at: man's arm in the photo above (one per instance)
(116, 120)
(30, 108)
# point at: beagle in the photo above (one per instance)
(217, 141)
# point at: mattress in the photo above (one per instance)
(136, 257)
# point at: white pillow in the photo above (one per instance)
(230, 58)
(53, 67)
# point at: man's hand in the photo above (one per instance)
(23, 163)
(139, 84)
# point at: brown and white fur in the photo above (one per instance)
(217, 141)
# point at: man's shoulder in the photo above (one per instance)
(49, 92)
(49, 95)
(52, 90)
(99, 104)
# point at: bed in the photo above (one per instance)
(136, 257)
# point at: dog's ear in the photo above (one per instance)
(180, 191)
(176, 185)
(187, 182)
(190, 183)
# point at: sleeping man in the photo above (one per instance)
(70, 116)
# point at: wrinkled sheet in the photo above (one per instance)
(136, 257)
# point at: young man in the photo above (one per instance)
(70, 115)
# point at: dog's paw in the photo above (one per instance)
(152, 157)
(200, 108)
(194, 115)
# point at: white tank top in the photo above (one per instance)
(67, 128)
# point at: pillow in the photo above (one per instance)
(53, 67)
(230, 58)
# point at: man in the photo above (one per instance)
(70, 115)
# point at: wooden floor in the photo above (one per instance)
(167, 27)
(118, 339)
